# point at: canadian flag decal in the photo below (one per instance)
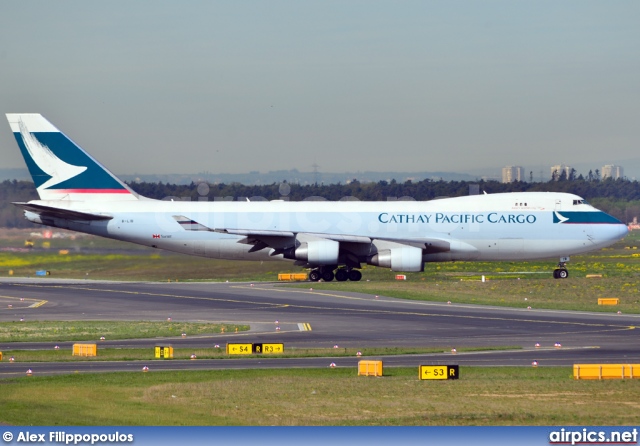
(156, 235)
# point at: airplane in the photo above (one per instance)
(332, 239)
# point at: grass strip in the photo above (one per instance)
(147, 354)
(482, 396)
(60, 331)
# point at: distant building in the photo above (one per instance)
(556, 171)
(611, 171)
(512, 173)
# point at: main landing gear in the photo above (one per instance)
(341, 274)
(561, 271)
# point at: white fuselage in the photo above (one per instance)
(512, 226)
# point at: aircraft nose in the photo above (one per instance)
(607, 234)
(615, 232)
(623, 230)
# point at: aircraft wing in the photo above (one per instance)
(428, 245)
(279, 240)
(65, 214)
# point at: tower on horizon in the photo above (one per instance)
(512, 173)
(556, 171)
(612, 171)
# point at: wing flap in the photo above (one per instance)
(428, 245)
(256, 233)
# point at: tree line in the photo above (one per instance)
(619, 189)
(619, 197)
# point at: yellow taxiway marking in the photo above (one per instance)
(36, 302)
(325, 308)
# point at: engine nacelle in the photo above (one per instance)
(406, 258)
(318, 252)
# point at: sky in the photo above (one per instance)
(238, 86)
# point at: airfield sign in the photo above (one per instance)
(439, 372)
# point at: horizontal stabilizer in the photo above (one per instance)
(65, 214)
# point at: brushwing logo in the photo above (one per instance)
(47, 161)
(557, 218)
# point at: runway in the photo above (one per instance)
(312, 319)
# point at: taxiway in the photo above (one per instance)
(312, 319)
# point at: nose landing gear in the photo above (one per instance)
(561, 271)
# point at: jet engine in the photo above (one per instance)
(318, 252)
(406, 258)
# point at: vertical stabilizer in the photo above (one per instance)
(60, 169)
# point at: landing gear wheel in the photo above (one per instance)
(342, 275)
(314, 275)
(560, 273)
(327, 276)
(355, 275)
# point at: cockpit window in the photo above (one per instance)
(581, 201)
